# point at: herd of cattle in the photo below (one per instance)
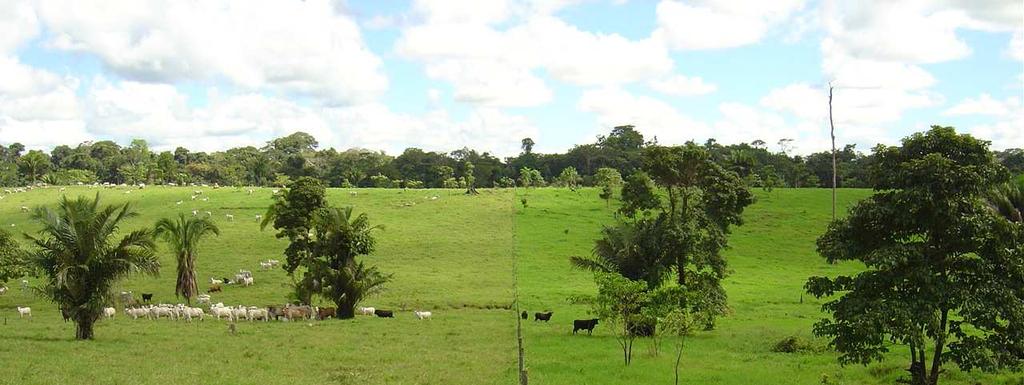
(182, 312)
(577, 325)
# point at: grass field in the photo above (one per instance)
(454, 255)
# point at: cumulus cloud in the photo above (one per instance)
(306, 48)
(493, 65)
(716, 24)
(985, 105)
(680, 85)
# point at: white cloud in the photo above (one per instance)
(18, 23)
(909, 31)
(651, 116)
(500, 66)
(716, 24)
(680, 85)
(307, 48)
(985, 105)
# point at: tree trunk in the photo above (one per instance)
(833, 133)
(940, 342)
(679, 357)
(346, 309)
(83, 328)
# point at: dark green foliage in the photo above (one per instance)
(794, 344)
(639, 194)
(12, 258)
(325, 241)
(81, 260)
(945, 276)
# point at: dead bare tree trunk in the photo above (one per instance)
(833, 132)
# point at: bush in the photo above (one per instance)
(794, 344)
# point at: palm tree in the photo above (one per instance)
(184, 235)
(632, 250)
(1008, 200)
(81, 259)
(341, 237)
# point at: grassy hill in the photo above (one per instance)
(457, 256)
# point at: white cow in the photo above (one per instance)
(24, 209)
(239, 312)
(266, 265)
(367, 310)
(215, 281)
(220, 311)
(3, 290)
(422, 314)
(109, 312)
(255, 313)
(273, 262)
(24, 284)
(137, 312)
(177, 203)
(229, 217)
(24, 311)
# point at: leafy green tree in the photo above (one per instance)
(183, 235)
(34, 164)
(607, 176)
(944, 275)
(292, 215)
(470, 179)
(569, 177)
(617, 305)
(527, 145)
(12, 258)
(679, 324)
(81, 260)
(704, 200)
(639, 194)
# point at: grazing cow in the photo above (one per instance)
(247, 281)
(273, 262)
(24, 311)
(239, 312)
(229, 217)
(195, 212)
(215, 281)
(24, 284)
(325, 312)
(24, 209)
(3, 290)
(542, 316)
(422, 314)
(220, 311)
(255, 313)
(137, 312)
(275, 312)
(214, 289)
(147, 297)
(384, 313)
(298, 312)
(266, 265)
(584, 324)
(524, 315)
(109, 312)
(367, 310)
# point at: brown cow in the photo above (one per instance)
(325, 312)
(298, 312)
(213, 289)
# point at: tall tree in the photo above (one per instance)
(704, 201)
(944, 276)
(183, 234)
(12, 258)
(81, 259)
(527, 145)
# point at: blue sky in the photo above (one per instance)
(443, 74)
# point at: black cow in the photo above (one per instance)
(66, 314)
(147, 297)
(584, 324)
(543, 316)
(384, 313)
(524, 315)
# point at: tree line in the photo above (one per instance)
(298, 155)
